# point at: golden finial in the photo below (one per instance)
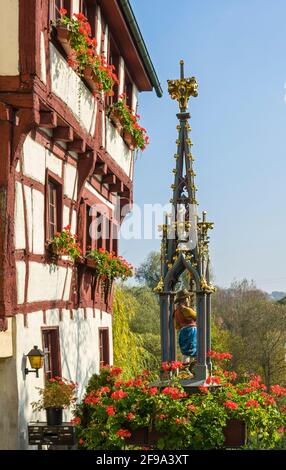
(182, 89)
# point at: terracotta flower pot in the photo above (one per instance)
(91, 79)
(54, 416)
(128, 138)
(63, 37)
(116, 119)
(235, 433)
(90, 263)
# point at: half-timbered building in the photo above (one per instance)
(60, 155)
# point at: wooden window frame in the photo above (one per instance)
(55, 354)
(105, 347)
(67, 4)
(57, 181)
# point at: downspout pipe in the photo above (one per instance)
(134, 28)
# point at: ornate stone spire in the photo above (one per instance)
(185, 238)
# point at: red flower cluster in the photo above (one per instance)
(213, 380)
(220, 356)
(253, 403)
(231, 405)
(278, 390)
(174, 392)
(167, 366)
(123, 433)
(84, 52)
(109, 265)
(91, 399)
(118, 395)
(110, 410)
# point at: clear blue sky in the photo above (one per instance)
(237, 51)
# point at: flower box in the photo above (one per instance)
(129, 140)
(90, 79)
(235, 433)
(116, 119)
(63, 38)
(90, 263)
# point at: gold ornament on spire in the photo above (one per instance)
(182, 89)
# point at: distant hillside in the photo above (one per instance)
(276, 295)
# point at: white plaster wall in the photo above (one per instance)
(121, 73)
(73, 222)
(75, 6)
(20, 276)
(54, 163)
(70, 181)
(98, 30)
(48, 282)
(106, 34)
(79, 345)
(117, 148)
(38, 200)
(68, 86)
(134, 97)
(6, 341)
(9, 37)
(43, 59)
(99, 196)
(29, 212)
(34, 161)
(20, 241)
(66, 215)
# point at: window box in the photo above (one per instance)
(63, 38)
(116, 119)
(129, 140)
(90, 79)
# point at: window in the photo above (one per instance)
(56, 5)
(51, 348)
(128, 88)
(103, 346)
(53, 206)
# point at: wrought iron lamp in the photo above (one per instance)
(36, 359)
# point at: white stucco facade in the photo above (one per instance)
(116, 147)
(80, 100)
(79, 347)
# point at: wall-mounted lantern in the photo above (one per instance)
(36, 359)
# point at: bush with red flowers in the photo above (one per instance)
(129, 122)
(113, 410)
(109, 265)
(84, 54)
(65, 243)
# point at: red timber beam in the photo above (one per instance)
(7, 262)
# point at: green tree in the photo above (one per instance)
(149, 272)
(128, 349)
(257, 330)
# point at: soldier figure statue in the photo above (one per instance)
(185, 321)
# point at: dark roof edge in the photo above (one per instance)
(134, 28)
